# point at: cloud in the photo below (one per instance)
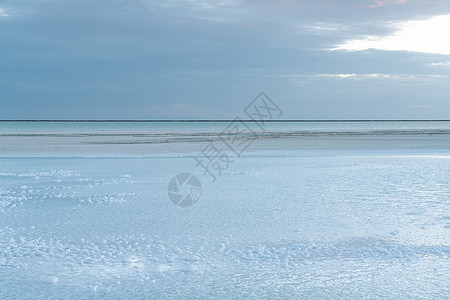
(187, 6)
(337, 75)
(380, 76)
(200, 59)
(424, 36)
(383, 3)
(441, 64)
(419, 106)
(3, 13)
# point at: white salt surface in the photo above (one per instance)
(316, 218)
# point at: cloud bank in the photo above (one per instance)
(425, 36)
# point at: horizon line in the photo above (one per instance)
(223, 120)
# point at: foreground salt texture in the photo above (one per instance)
(299, 223)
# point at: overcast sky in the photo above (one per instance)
(186, 59)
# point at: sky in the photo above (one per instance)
(186, 59)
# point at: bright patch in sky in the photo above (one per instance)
(3, 13)
(441, 64)
(380, 76)
(426, 36)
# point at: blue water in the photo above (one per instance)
(86, 127)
